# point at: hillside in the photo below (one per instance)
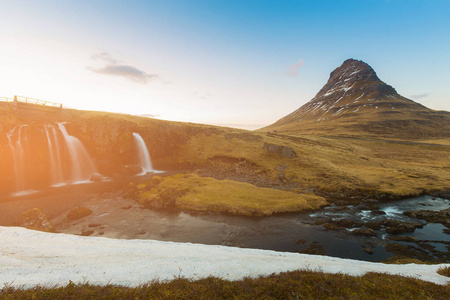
(355, 102)
(337, 169)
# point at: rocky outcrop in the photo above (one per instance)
(396, 227)
(34, 219)
(431, 216)
(286, 151)
(365, 232)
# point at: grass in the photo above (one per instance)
(192, 192)
(289, 285)
(445, 271)
(332, 168)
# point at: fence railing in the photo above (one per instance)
(31, 101)
(5, 99)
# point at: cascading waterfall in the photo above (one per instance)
(62, 148)
(144, 157)
(19, 148)
(55, 156)
(82, 167)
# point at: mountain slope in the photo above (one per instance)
(355, 101)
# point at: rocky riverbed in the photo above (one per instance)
(415, 228)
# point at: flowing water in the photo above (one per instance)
(82, 167)
(144, 159)
(54, 156)
(297, 232)
(19, 145)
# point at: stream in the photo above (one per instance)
(298, 232)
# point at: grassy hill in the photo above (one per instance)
(335, 168)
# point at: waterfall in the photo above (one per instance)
(144, 157)
(55, 156)
(19, 150)
(82, 166)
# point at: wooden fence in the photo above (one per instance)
(4, 99)
(31, 101)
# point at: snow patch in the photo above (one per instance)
(31, 258)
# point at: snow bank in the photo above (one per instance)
(29, 258)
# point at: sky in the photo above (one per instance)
(234, 63)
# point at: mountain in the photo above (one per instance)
(355, 101)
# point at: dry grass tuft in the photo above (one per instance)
(445, 271)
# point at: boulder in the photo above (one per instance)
(396, 227)
(78, 213)
(87, 232)
(367, 250)
(96, 177)
(286, 151)
(34, 219)
(365, 232)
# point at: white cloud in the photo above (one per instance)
(293, 69)
(113, 68)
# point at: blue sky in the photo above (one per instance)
(239, 63)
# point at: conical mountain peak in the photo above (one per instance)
(353, 100)
(354, 76)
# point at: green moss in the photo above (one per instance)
(192, 192)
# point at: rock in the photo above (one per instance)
(329, 226)
(346, 223)
(34, 219)
(96, 177)
(93, 225)
(373, 225)
(286, 151)
(365, 232)
(131, 170)
(378, 212)
(272, 148)
(403, 238)
(447, 231)
(431, 216)
(78, 213)
(336, 225)
(87, 232)
(367, 250)
(126, 207)
(444, 195)
(396, 227)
